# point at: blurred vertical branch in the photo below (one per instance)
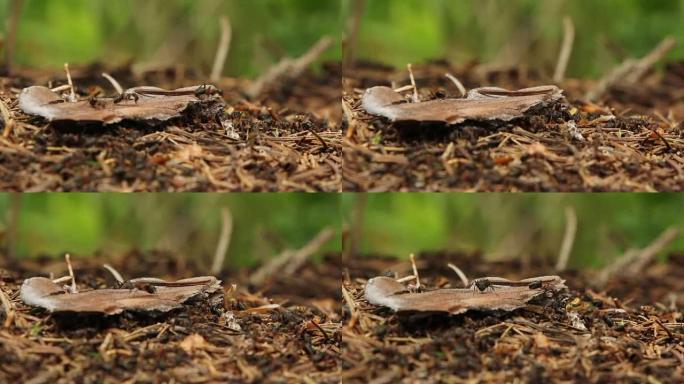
(13, 225)
(16, 7)
(223, 48)
(353, 27)
(356, 230)
(224, 241)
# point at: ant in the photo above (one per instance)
(484, 284)
(127, 96)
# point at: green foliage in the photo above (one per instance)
(509, 32)
(515, 225)
(171, 32)
(187, 224)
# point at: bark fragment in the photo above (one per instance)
(42, 292)
(387, 292)
(139, 103)
(480, 104)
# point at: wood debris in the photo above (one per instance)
(143, 294)
(480, 104)
(488, 294)
(139, 103)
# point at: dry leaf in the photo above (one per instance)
(388, 292)
(481, 104)
(144, 294)
(140, 103)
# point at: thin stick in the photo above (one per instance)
(61, 280)
(414, 97)
(71, 273)
(568, 239)
(61, 88)
(7, 306)
(113, 82)
(117, 276)
(460, 274)
(415, 270)
(7, 118)
(222, 50)
(457, 83)
(566, 49)
(224, 241)
(72, 93)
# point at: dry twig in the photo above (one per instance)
(415, 270)
(72, 92)
(457, 83)
(460, 274)
(113, 82)
(73, 289)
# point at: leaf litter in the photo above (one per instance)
(631, 139)
(247, 336)
(629, 330)
(285, 139)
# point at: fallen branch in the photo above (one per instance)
(631, 70)
(566, 49)
(224, 241)
(288, 68)
(290, 261)
(222, 50)
(632, 262)
(568, 239)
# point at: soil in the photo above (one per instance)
(289, 140)
(295, 341)
(640, 149)
(633, 328)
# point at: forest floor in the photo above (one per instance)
(286, 139)
(629, 331)
(631, 139)
(282, 331)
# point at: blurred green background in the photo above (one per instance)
(517, 32)
(505, 226)
(186, 224)
(52, 32)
